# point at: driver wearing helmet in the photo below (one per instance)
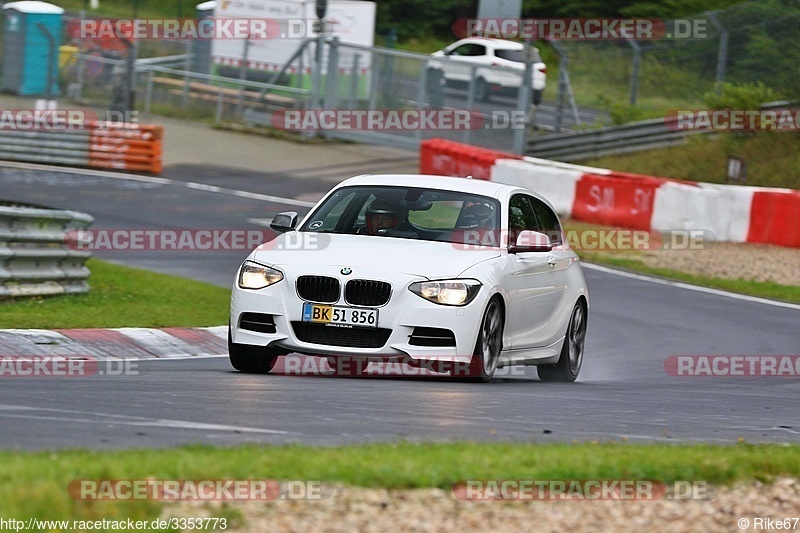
(382, 214)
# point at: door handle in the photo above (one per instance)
(552, 260)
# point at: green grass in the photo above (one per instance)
(35, 484)
(122, 297)
(772, 158)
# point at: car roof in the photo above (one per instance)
(448, 183)
(497, 43)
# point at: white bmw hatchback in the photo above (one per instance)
(436, 272)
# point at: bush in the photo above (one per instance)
(739, 96)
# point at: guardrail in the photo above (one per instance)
(34, 257)
(615, 140)
(612, 140)
(96, 144)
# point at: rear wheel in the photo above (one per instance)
(489, 344)
(569, 364)
(251, 359)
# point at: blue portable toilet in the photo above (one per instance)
(201, 48)
(30, 48)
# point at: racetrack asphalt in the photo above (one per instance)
(624, 391)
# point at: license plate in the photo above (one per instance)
(340, 316)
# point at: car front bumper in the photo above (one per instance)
(398, 320)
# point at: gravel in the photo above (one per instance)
(433, 510)
(756, 262)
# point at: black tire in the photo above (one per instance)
(537, 97)
(569, 363)
(482, 93)
(489, 344)
(251, 359)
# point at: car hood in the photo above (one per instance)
(420, 258)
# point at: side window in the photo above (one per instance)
(463, 50)
(478, 50)
(521, 215)
(548, 220)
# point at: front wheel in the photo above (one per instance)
(251, 359)
(489, 344)
(569, 364)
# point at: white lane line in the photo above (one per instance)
(104, 418)
(696, 288)
(160, 181)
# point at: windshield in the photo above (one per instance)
(409, 213)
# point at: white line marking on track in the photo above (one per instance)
(105, 418)
(160, 181)
(687, 286)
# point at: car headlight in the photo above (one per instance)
(255, 276)
(447, 292)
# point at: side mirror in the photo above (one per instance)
(531, 241)
(284, 222)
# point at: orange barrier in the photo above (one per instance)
(775, 218)
(448, 158)
(126, 147)
(616, 200)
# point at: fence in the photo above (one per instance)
(34, 258)
(750, 42)
(350, 78)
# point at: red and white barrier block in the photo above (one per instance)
(729, 212)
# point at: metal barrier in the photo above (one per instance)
(644, 135)
(34, 257)
(638, 136)
(96, 144)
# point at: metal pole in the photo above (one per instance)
(354, 79)
(421, 97)
(332, 78)
(243, 76)
(524, 99)
(129, 89)
(187, 66)
(473, 72)
(148, 95)
(636, 63)
(373, 86)
(218, 116)
(81, 66)
(316, 75)
(722, 53)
